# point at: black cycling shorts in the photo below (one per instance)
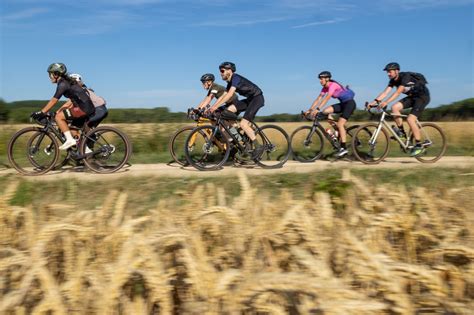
(250, 106)
(416, 103)
(345, 108)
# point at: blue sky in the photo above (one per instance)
(150, 53)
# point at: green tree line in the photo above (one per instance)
(19, 112)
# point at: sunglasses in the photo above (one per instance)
(223, 70)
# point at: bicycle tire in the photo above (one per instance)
(366, 152)
(26, 153)
(277, 150)
(439, 143)
(209, 153)
(300, 144)
(181, 160)
(104, 148)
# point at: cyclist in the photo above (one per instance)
(418, 96)
(346, 107)
(101, 111)
(250, 105)
(214, 91)
(82, 104)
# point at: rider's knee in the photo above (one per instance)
(244, 123)
(397, 108)
(411, 118)
(59, 116)
(232, 108)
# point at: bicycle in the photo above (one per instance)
(212, 144)
(307, 142)
(35, 150)
(373, 147)
(178, 139)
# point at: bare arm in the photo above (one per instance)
(68, 104)
(393, 97)
(50, 105)
(381, 96)
(223, 99)
(206, 101)
(324, 101)
(315, 103)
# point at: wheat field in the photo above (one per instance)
(377, 249)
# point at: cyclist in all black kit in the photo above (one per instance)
(250, 105)
(412, 84)
(82, 104)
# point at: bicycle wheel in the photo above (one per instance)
(434, 142)
(276, 146)
(32, 151)
(176, 144)
(106, 149)
(207, 152)
(306, 146)
(63, 158)
(369, 147)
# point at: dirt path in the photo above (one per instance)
(164, 170)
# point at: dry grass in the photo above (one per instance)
(375, 250)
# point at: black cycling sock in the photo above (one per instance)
(343, 145)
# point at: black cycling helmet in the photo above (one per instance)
(325, 74)
(392, 66)
(57, 68)
(207, 77)
(228, 65)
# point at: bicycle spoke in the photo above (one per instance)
(276, 146)
(32, 151)
(204, 151)
(433, 141)
(369, 146)
(107, 149)
(306, 146)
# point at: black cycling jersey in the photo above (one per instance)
(76, 94)
(412, 85)
(218, 90)
(244, 86)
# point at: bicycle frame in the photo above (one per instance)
(317, 125)
(50, 127)
(383, 123)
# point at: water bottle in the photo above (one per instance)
(235, 133)
(331, 133)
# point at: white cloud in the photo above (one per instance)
(320, 23)
(24, 14)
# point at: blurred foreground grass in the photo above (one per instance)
(339, 242)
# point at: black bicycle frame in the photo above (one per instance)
(317, 125)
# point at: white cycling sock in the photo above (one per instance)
(68, 136)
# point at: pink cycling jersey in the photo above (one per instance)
(334, 89)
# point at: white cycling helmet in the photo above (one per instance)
(76, 77)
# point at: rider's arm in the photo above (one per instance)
(393, 97)
(224, 98)
(381, 96)
(324, 101)
(206, 101)
(315, 103)
(50, 105)
(68, 104)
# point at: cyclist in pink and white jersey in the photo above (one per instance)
(346, 105)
